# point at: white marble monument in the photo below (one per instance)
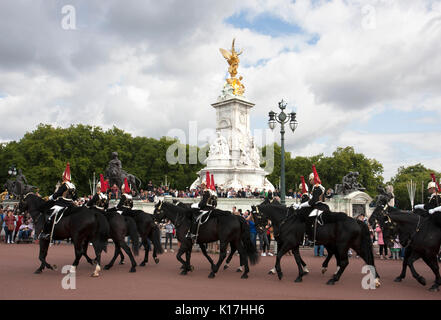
(233, 158)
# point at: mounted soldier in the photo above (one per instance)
(100, 200)
(126, 201)
(59, 202)
(434, 204)
(206, 205)
(317, 198)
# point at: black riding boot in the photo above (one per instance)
(192, 230)
(46, 232)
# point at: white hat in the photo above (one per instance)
(431, 185)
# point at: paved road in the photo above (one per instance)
(162, 281)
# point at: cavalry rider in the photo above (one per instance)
(317, 197)
(100, 200)
(63, 197)
(207, 203)
(126, 201)
(434, 204)
(305, 194)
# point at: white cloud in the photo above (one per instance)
(148, 67)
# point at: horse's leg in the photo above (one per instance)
(126, 248)
(154, 254)
(273, 270)
(342, 262)
(188, 258)
(115, 255)
(44, 245)
(230, 256)
(85, 247)
(78, 247)
(296, 252)
(222, 256)
(121, 261)
(281, 250)
(243, 260)
(204, 252)
(305, 267)
(146, 251)
(96, 272)
(413, 257)
(432, 262)
(328, 258)
(179, 254)
(407, 254)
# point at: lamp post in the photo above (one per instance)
(283, 119)
(12, 170)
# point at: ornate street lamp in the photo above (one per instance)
(283, 119)
(12, 170)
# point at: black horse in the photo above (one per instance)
(147, 229)
(222, 226)
(289, 232)
(120, 227)
(419, 235)
(78, 223)
(338, 233)
(204, 247)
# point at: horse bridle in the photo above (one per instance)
(394, 224)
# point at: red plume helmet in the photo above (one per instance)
(316, 176)
(207, 180)
(213, 187)
(66, 173)
(126, 187)
(103, 183)
(303, 185)
(434, 180)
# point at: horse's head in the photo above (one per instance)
(158, 213)
(259, 218)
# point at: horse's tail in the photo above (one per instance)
(366, 242)
(155, 236)
(249, 247)
(132, 231)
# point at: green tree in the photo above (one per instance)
(43, 153)
(418, 174)
(330, 169)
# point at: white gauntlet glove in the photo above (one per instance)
(432, 211)
(419, 206)
(304, 205)
(295, 206)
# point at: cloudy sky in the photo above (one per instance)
(358, 73)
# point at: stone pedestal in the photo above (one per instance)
(233, 158)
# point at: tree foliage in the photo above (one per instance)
(43, 153)
(330, 169)
(418, 174)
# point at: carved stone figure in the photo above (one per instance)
(116, 174)
(220, 148)
(349, 184)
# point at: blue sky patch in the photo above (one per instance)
(265, 23)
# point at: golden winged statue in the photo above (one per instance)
(232, 58)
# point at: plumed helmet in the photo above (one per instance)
(306, 187)
(431, 185)
(311, 177)
(66, 173)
